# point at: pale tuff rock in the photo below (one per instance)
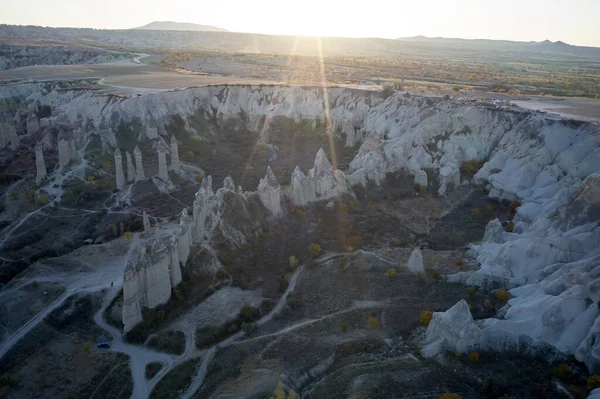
(130, 168)
(32, 124)
(175, 165)
(14, 138)
(64, 150)
(139, 166)
(494, 232)
(163, 173)
(296, 187)
(4, 135)
(154, 269)
(119, 175)
(40, 164)
(146, 222)
(269, 192)
(449, 177)
(371, 159)
(228, 184)
(415, 262)
(454, 330)
(321, 183)
(554, 265)
(152, 133)
(421, 178)
(470, 154)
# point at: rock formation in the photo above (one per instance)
(152, 133)
(4, 135)
(175, 166)
(494, 232)
(32, 124)
(65, 153)
(139, 166)
(449, 177)
(421, 178)
(119, 175)
(130, 168)
(322, 182)
(163, 173)
(415, 262)
(155, 268)
(269, 192)
(453, 330)
(15, 142)
(146, 222)
(40, 164)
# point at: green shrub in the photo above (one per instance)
(563, 372)
(426, 317)
(391, 272)
(502, 295)
(474, 357)
(344, 327)
(593, 381)
(373, 321)
(314, 249)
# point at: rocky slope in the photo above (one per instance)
(548, 165)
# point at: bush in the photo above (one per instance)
(420, 277)
(472, 292)
(86, 347)
(373, 321)
(388, 89)
(41, 200)
(344, 327)
(391, 272)
(510, 227)
(199, 177)
(502, 295)
(128, 234)
(343, 208)
(470, 168)
(457, 354)
(426, 317)
(459, 262)
(294, 261)
(474, 357)
(450, 396)
(314, 249)
(277, 169)
(513, 205)
(355, 242)
(91, 179)
(563, 372)
(488, 209)
(593, 381)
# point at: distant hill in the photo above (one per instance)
(547, 47)
(169, 25)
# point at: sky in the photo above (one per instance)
(572, 21)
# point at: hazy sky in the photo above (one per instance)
(572, 21)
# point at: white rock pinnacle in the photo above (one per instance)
(130, 168)
(175, 166)
(40, 164)
(269, 192)
(415, 262)
(163, 173)
(119, 175)
(139, 166)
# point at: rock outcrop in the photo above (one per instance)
(152, 271)
(163, 172)
(175, 165)
(119, 174)
(66, 149)
(415, 262)
(323, 182)
(130, 168)
(39, 164)
(453, 330)
(494, 232)
(224, 216)
(139, 166)
(421, 179)
(269, 192)
(32, 124)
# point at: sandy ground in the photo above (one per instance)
(586, 109)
